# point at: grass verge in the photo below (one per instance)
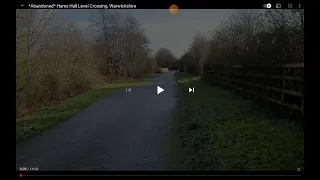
(47, 117)
(221, 131)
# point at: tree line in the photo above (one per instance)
(249, 37)
(55, 60)
(166, 59)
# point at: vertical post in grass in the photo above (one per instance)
(242, 77)
(302, 107)
(283, 84)
(229, 76)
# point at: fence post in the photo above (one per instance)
(283, 84)
(302, 107)
(237, 77)
(259, 81)
(264, 86)
(243, 85)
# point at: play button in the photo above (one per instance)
(159, 90)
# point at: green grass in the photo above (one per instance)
(221, 131)
(45, 118)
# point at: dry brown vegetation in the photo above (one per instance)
(55, 61)
(250, 37)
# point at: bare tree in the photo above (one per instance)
(136, 42)
(29, 27)
(53, 61)
(100, 27)
(250, 36)
(199, 50)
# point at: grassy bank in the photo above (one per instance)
(50, 116)
(221, 131)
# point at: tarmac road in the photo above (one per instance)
(123, 131)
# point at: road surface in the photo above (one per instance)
(123, 131)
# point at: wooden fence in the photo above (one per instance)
(281, 84)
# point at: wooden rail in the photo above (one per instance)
(279, 84)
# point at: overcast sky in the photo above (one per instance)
(163, 29)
